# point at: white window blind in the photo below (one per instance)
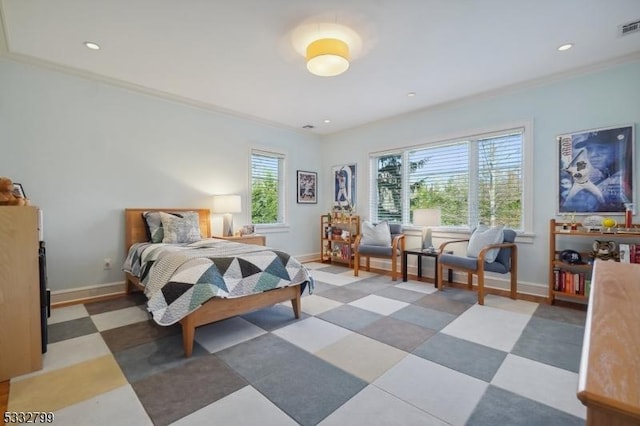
(473, 180)
(267, 187)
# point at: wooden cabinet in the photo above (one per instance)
(609, 377)
(20, 335)
(572, 280)
(256, 239)
(337, 236)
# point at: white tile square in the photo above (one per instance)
(335, 279)
(425, 288)
(314, 305)
(544, 383)
(444, 393)
(245, 407)
(372, 406)
(312, 334)
(71, 351)
(120, 317)
(67, 313)
(378, 304)
(117, 407)
(488, 326)
(223, 334)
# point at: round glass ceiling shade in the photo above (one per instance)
(327, 57)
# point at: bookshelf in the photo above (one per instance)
(337, 235)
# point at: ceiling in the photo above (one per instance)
(244, 56)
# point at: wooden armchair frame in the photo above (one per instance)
(397, 248)
(479, 270)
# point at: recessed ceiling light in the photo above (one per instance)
(327, 121)
(411, 94)
(566, 46)
(91, 45)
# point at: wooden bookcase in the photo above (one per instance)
(582, 272)
(20, 341)
(336, 246)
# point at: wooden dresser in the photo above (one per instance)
(20, 342)
(609, 381)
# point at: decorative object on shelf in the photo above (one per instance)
(11, 194)
(571, 256)
(344, 194)
(596, 170)
(247, 230)
(426, 218)
(628, 216)
(604, 250)
(227, 204)
(609, 225)
(593, 223)
(307, 187)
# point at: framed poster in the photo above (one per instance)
(307, 187)
(596, 171)
(344, 183)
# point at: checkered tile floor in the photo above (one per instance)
(367, 351)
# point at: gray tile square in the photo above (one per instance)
(132, 299)
(264, 355)
(334, 269)
(558, 313)
(156, 356)
(397, 333)
(501, 407)
(460, 295)
(466, 357)
(551, 342)
(342, 294)
(273, 317)
(400, 294)
(424, 317)
(309, 393)
(350, 317)
(175, 393)
(371, 285)
(440, 302)
(70, 329)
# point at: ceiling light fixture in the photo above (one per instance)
(327, 121)
(327, 57)
(564, 47)
(91, 45)
(411, 94)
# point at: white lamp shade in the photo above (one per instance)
(426, 217)
(227, 204)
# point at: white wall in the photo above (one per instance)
(597, 99)
(84, 150)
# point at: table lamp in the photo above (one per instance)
(426, 218)
(227, 204)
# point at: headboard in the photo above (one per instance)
(136, 231)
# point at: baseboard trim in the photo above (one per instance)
(81, 295)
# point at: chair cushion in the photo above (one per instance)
(470, 263)
(375, 251)
(482, 236)
(376, 235)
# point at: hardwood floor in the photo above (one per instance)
(4, 399)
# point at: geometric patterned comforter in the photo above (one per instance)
(179, 278)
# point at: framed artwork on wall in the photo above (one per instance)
(596, 171)
(307, 187)
(344, 184)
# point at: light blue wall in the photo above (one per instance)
(85, 150)
(596, 99)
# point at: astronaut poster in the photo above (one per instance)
(596, 171)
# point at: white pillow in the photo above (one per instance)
(185, 229)
(376, 235)
(482, 236)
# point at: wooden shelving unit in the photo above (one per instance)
(337, 236)
(583, 271)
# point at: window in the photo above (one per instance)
(267, 187)
(472, 180)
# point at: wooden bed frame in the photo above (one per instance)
(215, 309)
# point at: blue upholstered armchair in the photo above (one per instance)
(506, 261)
(373, 243)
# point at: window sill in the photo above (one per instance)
(276, 228)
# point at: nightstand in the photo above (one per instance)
(256, 239)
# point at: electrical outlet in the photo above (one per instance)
(107, 264)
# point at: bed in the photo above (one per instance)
(223, 303)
